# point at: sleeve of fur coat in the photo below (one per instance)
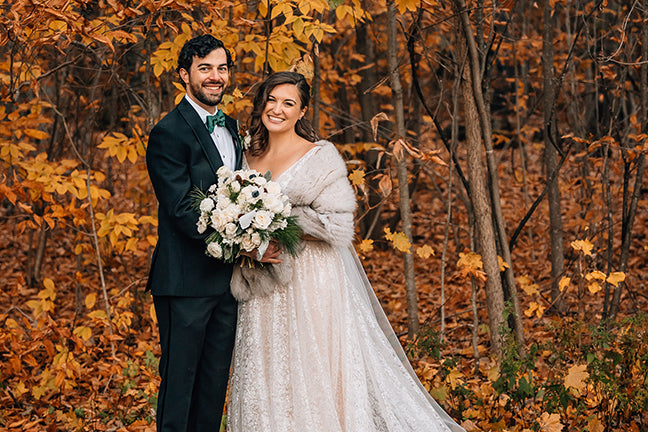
(325, 203)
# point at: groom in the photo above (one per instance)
(195, 310)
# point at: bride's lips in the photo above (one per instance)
(274, 119)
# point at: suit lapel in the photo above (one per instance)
(202, 135)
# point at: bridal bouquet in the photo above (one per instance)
(246, 210)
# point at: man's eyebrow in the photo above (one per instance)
(210, 65)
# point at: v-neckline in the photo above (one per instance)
(302, 157)
(294, 164)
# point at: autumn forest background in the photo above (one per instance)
(497, 149)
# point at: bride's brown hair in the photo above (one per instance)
(256, 128)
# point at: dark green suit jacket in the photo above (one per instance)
(179, 156)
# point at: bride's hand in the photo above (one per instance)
(271, 255)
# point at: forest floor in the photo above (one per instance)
(63, 368)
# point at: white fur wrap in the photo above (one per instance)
(324, 202)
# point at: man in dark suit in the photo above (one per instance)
(195, 310)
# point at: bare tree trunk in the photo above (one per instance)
(371, 226)
(629, 211)
(484, 123)
(483, 217)
(39, 256)
(317, 81)
(401, 161)
(550, 153)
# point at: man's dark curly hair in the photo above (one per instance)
(200, 47)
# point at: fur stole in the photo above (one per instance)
(323, 201)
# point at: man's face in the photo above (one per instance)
(207, 78)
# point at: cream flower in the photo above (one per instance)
(230, 230)
(273, 188)
(262, 219)
(215, 250)
(207, 205)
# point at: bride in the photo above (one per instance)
(314, 351)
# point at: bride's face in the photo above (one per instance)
(283, 109)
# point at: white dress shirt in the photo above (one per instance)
(221, 137)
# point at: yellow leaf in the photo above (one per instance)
(152, 313)
(595, 425)
(535, 308)
(470, 264)
(98, 314)
(598, 275)
(90, 300)
(58, 25)
(564, 283)
(528, 286)
(425, 251)
(440, 393)
(594, 287)
(576, 377)
(83, 332)
(615, 278)
(399, 240)
(454, 377)
(406, 5)
(503, 265)
(583, 245)
(493, 373)
(35, 133)
(20, 389)
(366, 245)
(357, 177)
(49, 292)
(550, 422)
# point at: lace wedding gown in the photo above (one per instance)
(319, 355)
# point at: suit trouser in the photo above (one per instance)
(196, 339)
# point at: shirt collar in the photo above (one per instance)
(202, 112)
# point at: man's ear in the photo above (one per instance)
(184, 75)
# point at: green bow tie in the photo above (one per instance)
(217, 119)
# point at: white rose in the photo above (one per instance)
(235, 186)
(215, 250)
(232, 211)
(230, 230)
(256, 239)
(273, 203)
(248, 244)
(206, 205)
(262, 219)
(212, 188)
(218, 221)
(273, 188)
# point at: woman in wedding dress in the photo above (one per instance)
(314, 351)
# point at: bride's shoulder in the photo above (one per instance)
(329, 152)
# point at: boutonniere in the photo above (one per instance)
(244, 137)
